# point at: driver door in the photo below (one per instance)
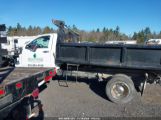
(38, 52)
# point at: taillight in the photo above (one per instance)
(2, 92)
(48, 78)
(51, 73)
(18, 85)
(54, 71)
(35, 93)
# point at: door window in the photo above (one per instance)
(41, 42)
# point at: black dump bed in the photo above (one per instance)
(143, 57)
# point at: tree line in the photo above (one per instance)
(98, 35)
(30, 31)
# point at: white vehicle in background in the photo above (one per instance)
(15, 42)
(122, 42)
(39, 52)
(153, 42)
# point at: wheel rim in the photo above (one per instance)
(120, 90)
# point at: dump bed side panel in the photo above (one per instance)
(122, 56)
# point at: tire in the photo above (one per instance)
(120, 89)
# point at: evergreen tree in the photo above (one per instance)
(117, 30)
(135, 36)
(19, 26)
(30, 31)
(46, 30)
(98, 30)
(104, 30)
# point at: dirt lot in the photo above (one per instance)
(87, 98)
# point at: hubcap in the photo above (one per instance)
(120, 90)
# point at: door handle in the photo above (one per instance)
(45, 51)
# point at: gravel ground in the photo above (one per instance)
(87, 98)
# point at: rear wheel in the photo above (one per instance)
(120, 89)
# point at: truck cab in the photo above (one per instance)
(39, 52)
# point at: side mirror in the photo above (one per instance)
(33, 48)
(15, 41)
(27, 46)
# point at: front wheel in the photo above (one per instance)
(120, 89)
